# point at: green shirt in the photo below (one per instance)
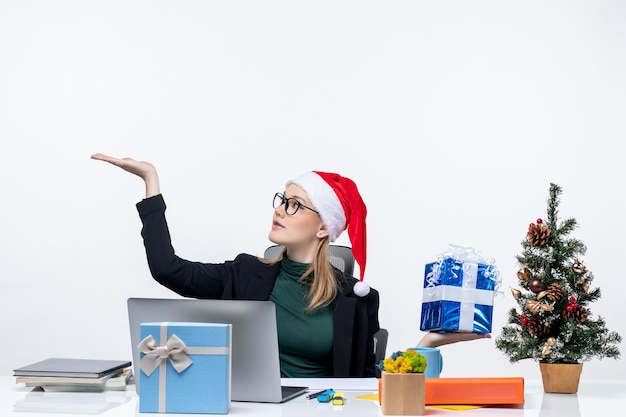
(305, 338)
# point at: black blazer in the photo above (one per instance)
(355, 319)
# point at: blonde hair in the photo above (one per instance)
(324, 286)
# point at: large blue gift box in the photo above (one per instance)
(458, 296)
(185, 368)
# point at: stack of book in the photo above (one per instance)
(67, 374)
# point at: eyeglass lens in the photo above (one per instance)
(291, 205)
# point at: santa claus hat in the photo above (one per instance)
(341, 207)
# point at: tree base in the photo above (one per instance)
(560, 378)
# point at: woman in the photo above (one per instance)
(314, 301)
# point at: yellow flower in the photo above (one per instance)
(403, 362)
(404, 365)
(400, 365)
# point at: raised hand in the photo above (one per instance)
(142, 169)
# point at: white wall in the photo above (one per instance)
(452, 116)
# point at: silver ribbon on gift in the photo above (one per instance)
(176, 352)
(467, 295)
(469, 257)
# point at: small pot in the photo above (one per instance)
(561, 378)
(403, 394)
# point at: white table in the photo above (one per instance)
(594, 398)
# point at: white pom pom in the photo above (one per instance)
(361, 289)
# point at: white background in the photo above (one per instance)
(452, 116)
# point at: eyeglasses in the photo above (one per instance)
(291, 204)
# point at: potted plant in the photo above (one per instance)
(402, 385)
(553, 324)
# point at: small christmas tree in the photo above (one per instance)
(554, 323)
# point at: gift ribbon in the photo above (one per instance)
(467, 256)
(464, 254)
(174, 350)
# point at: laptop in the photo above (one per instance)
(255, 360)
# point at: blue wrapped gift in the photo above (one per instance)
(458, 293)
(185, 368)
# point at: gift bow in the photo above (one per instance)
(468, 257)
(174, 350)
(463, 254)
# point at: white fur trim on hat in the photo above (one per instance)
(324, 200)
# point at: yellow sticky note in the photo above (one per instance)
(373, 397)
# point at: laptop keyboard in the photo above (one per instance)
(288, 391)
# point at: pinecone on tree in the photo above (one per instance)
(578, 314)
(538, 234)
(554, 292)
(536, 327)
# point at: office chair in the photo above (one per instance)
(380, 347)
(341, 258)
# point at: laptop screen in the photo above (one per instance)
(255, 358)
